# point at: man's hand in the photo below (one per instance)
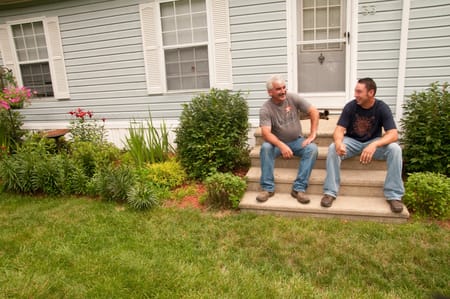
(286, 152)
(309, 140)
(340, 149)
(367, 153)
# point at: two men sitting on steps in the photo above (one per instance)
(358, 132)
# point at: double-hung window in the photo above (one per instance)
(32, 49)
(186, 45)
(32, 55)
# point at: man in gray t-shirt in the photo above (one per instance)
(282, 134)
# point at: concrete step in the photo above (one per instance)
(352, 163)
(353, 182)
(345, 207)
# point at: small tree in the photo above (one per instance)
(426, 130)
(212, 135)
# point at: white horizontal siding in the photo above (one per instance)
(102, 45)
(379, 45)
(259, 47)
(428, 58)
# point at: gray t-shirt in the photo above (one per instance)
(283, 118)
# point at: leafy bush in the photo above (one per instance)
(224, 190)
(148, 144)
(212, 135)
(142, 197)
(427, 194)
(33, 171)
(93, 156)
(164, 175)
(426, 127)
(114, 182)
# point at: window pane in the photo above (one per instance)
(335, 16)
(200, 35)
(321, 18)
(168, 24)
(322, 2)
(37, 77)
(184, 22)
(22, 55)
(199, 20)
(198, 5)
(308, 3)
(167, 9)
(182, 7)
(184, 36)
(187, 68)
(308, 19)
(42, 53)
(170, 38)
(173, 83)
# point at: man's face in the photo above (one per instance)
(278, 91)
(362, 95)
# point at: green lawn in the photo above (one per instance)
(80, 248)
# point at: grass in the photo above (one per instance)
(80, 248)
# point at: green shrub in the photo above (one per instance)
(426, 127)
(142, 197)
(93, 156)
(114, 182)
(212, 135)
(33, 171)
(427, 194)
(148, 144)
(224, 190)
(165, 175)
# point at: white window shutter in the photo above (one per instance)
(222, 46)
(151, 33)
(7, 51)
(56, 59)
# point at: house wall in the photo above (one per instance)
(103, 52)
(428, 58)
(379, 27)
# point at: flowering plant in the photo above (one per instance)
(84, 127)
(14, 97)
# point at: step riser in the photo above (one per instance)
(320, 141)
(352, 163)
(345, 190)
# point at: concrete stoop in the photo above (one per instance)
(360, 195)
(344, 207)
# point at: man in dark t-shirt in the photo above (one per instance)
(282, 133)
(359, 132)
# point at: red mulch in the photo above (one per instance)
(189, 201)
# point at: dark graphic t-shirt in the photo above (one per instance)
(366, 124)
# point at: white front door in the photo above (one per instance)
(322, 52)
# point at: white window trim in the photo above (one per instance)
(219, 47)
(55, 54)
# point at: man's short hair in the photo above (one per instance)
(369, 83)
(273, 78)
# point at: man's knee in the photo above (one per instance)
(394, 149)
(266, 147)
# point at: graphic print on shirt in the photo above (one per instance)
(363, 125)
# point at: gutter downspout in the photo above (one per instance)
(402, 60)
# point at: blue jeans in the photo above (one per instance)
(269, 153)
(392, 153)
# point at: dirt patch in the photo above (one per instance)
(191, 199)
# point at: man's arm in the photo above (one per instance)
(338, 137)
(388, 137)
(267, 135)
(314, 117)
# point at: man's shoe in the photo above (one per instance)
(327, 201)
(300, 196)
(264, 195)
(396, 205)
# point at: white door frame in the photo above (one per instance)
(325, 100)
